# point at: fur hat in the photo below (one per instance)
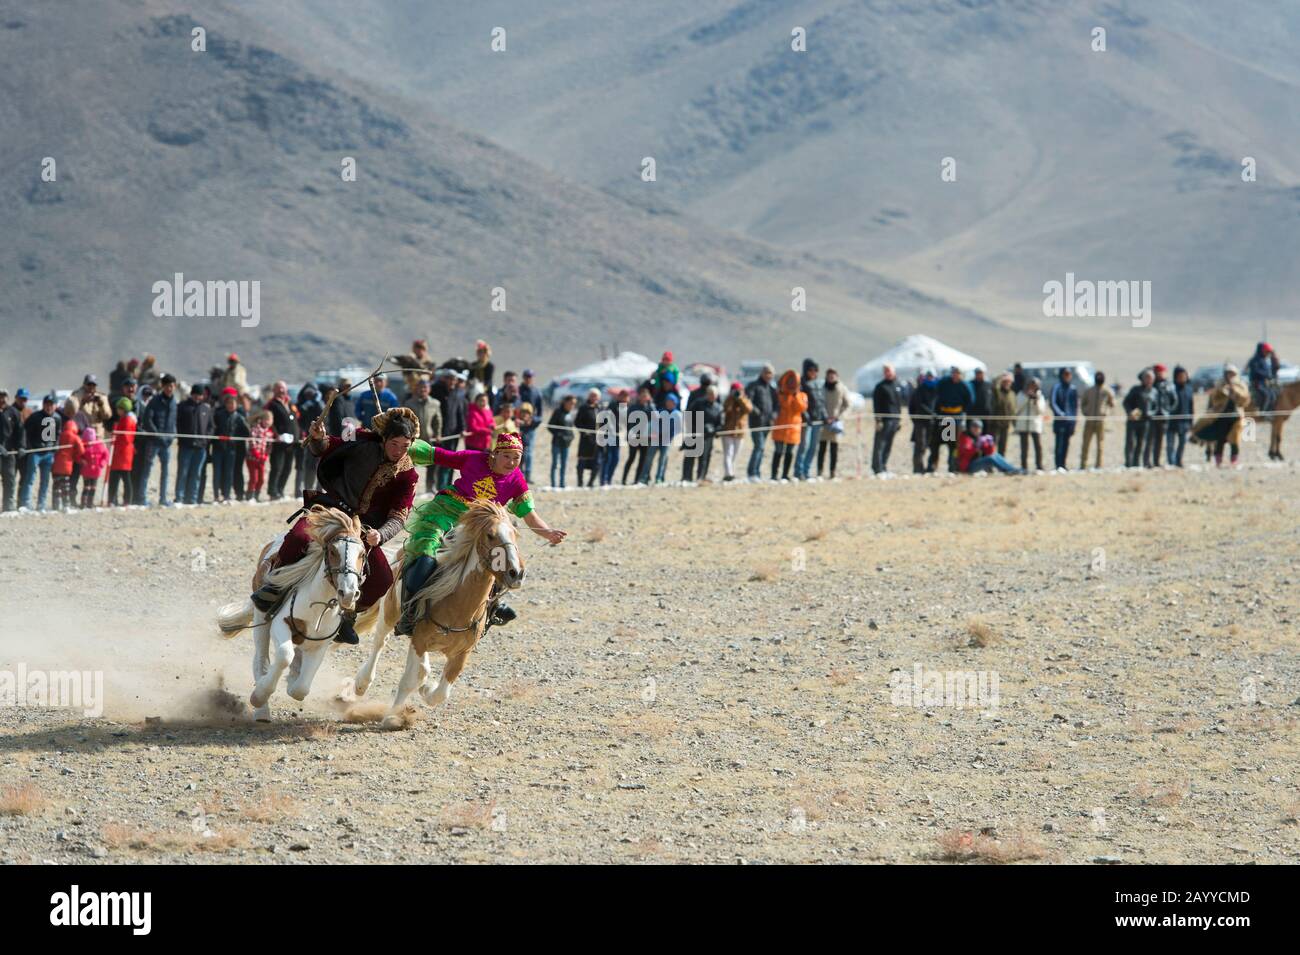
(396, 423)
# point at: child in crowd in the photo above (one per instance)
(528, 423)
(68, 455)
(123, 454)
(258, 452)
(93, 461)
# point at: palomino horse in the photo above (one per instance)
(1288, 399)
(481, 550)
(318, 588)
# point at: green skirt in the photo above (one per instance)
(429, 522)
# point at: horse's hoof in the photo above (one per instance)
(393, 722)
(299, 695)
(435, 696)
(262, 714)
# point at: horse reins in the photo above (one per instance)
(333, 602)
(293, 622)
(487, 607)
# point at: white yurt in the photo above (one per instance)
(911, 356)
(625, 370)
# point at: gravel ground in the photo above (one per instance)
(704, 674)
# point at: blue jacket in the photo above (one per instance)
(953, 394)
(668, 424)
(159, 416)
(1064, 401)
(534, 397)
(1183, 409)
(366, 404)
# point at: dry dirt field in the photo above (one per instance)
(703, 674)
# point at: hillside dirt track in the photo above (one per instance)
(703, 674)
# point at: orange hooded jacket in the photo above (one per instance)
(793, 403)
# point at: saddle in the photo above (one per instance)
(1264, 395)
(313, 498)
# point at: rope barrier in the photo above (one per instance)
(1113, 469)
(1208, 415)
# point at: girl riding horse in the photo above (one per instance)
(484, 475)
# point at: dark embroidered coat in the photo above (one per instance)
(357, 473)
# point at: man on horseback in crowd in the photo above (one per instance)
(492, 475)
(371, 476)
(1262, 371)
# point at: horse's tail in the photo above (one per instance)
(234, 618)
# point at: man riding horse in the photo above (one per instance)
(484, 475)
(370, 476)
(1261, 372)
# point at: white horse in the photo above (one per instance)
(318, 589)
(482, 550)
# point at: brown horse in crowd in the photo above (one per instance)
(1288, 399)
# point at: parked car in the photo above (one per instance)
(1048, 371)
(608, 387)
(1206, 377)
(691, 376)
(353, 373)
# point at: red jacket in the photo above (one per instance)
(124, 444)
(71, 449)
(94, 458)
(479, 423)
(966, 452)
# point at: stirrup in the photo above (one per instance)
(502, 614)
(406, 622)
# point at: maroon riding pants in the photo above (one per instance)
(379, 576)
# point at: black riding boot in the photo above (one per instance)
(413, 580)
(267, 597)
(347, 629)
(502, 612)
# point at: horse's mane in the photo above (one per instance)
(324, 524)
(458, 556)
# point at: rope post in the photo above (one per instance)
(858, 443)
(108, 469)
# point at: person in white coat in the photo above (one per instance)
(1031, 409)
(837, 406)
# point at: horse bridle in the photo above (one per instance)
(487, 609)
(331, 572)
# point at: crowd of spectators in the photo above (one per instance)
(232, 446)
